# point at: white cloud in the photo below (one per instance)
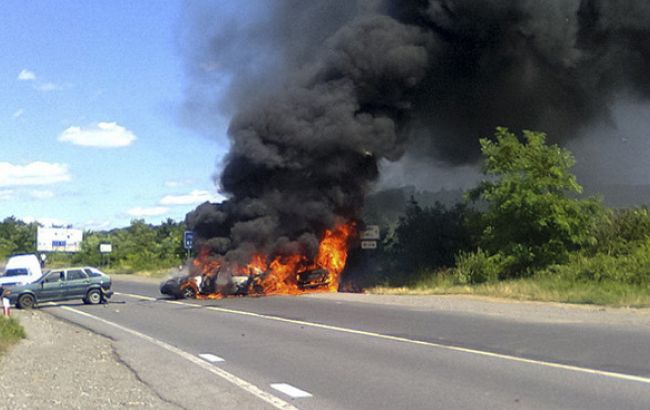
(101, 135)
(194, 197)
(41, 194)
(19, 113)
(46, 87)
(153, 211)
(34, 173)
(26, 75)
(6, 194)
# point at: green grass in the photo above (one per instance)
(10, 333)
(544, 289)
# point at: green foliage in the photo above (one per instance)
(530, 219)
(478, 267)
(427, 238)
(632, 268)
(140, 246)
(622, 231)
(10, 332)
(16, 237)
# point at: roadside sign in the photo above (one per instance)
(371, 233)
(368, 245)
(188, 239)
(58, 239)
(105, 248)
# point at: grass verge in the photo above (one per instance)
(10, 333)
(543, 289)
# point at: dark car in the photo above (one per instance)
(179, 287)
(86, 283)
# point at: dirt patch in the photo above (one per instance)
(61, 366)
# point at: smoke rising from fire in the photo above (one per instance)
(320, 92)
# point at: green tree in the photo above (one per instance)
(428, 238)
(532, 218)
(17, 236)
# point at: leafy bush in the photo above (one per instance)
(478, 267)
(426, 238)
(632, 268)
(622, 231)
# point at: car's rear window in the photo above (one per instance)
(92, 273)
(76, 274)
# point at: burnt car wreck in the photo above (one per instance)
(223, 284)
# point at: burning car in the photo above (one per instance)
(211, 275)
(255, 283)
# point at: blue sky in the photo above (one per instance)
(89, 115)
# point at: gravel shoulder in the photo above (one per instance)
(513, 310)
(62, 366)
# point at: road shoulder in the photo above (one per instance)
(60, 365)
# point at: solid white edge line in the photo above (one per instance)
(603, 373)
(290, 390)
(274, 401)
(211, 357)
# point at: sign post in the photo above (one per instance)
(105, 249)
(369, 237)
(188, 241)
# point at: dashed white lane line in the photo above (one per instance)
(211, 357)
(274, 401)
(290, 390)
(578, 369)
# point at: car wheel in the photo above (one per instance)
(25, 302)
(188, 293)
(93, 297)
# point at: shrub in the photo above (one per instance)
(478, 267)
(632, 268)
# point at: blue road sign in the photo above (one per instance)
(188, 239)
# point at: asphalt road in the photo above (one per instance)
(341, 354)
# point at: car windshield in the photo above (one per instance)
(16, 272)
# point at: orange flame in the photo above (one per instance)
(291, 274)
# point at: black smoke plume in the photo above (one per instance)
(319, 92)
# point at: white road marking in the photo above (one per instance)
(135, 296)
(603, 373)
(211, 358)
(290, 390)
(274, 401)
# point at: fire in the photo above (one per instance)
(284, 274)
(333, 253)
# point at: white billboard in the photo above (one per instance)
(58, 239)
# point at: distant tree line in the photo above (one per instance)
(525, 219)
(139, 246)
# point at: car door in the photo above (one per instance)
(51, 286)
(76, 282)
